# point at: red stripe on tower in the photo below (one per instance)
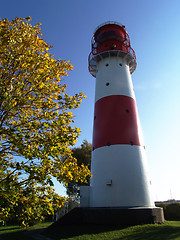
(115, 121)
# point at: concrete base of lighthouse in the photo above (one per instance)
(113, 216)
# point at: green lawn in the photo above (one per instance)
(167, 231)
(19, 233)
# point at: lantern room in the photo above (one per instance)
(111, 39)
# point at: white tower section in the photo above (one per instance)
(120, 174)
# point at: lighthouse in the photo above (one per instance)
(120, 185)
(119, 169)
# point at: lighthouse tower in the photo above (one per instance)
(120, 177)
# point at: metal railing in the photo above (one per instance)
(94, 58)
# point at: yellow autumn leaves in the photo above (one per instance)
(35, 113)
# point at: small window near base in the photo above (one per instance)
(109, 182)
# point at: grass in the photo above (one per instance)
(19, 233)
(167, 231)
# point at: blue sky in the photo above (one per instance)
(154, 29)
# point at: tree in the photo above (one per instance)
(36, 122)
(83, 156)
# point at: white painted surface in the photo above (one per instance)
(125, 166)
(84, 196)
(118, 77)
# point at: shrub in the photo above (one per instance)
(171, 211)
